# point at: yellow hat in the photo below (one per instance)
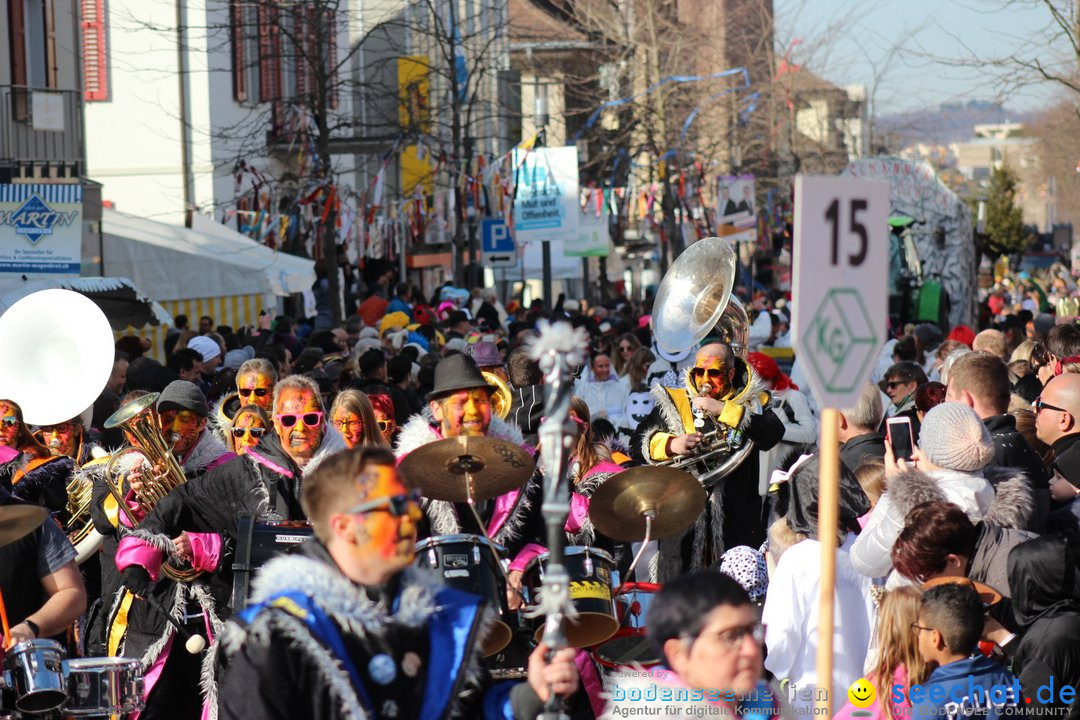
(394, 320)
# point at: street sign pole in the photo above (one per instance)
(840, 306)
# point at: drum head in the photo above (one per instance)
(497, 639)
(41, 701)
(587, 630)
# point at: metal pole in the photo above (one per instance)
(549, 300)
(586, 291)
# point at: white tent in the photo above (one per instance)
(208, 269)
(208, 260)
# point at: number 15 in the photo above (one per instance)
(832, 216)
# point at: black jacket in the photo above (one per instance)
(526, 409)
(1011, 450)
(1042, 578)
(860, 448)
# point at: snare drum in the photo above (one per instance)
(471, 563)
(590, 571)
(629, 645)
(103, 686)
(35, 672)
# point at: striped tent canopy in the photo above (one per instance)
(236, 311)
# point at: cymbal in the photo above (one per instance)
(18, 520)
(674, 497)
(439, 469)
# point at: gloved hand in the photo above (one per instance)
(137, 580)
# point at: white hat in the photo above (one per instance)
(205, 347)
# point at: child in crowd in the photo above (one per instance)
(950, 623)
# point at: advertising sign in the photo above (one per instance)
(546, 206)
(40, 229)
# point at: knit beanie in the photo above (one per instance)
(953, 437)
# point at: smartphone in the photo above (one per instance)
(900, 437)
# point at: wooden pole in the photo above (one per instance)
(828, 510)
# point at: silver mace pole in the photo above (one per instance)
(559, 350)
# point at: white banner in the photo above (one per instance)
(40, 229)
(546, 206)
(593, 238)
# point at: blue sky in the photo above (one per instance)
(849, 41)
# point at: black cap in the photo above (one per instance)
(457, 372)
(183, 395)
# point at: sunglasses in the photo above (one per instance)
(62, 428)
(347, 425)
(258, 392)
(384, 425)
(9, 421)
(700, 372)
(896, 383)
(398, 505)
(311, 419)
(1039, 407)
(255, 432)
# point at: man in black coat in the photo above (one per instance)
(981, 381)
(860, 439)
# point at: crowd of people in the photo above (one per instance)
(955, 560)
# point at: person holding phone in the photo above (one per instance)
(948, 464)
(900, 383)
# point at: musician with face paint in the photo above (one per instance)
(722, 399)
(460, 404)
(301, 423)
(346, 627)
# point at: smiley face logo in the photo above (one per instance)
(861, 693)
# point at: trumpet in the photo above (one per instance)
(139, 421)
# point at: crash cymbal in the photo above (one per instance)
(672, 496)
(18, 520)
(439, 469)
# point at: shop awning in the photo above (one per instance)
(118, 298)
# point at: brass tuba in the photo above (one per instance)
(61, 357)
(501, 398)
(694, 301)
(139, 421)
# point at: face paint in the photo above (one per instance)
(181, 429)
(638, 406)
(248, 438)
(62, 439)
(256, 389)
(9, 424)
(386, 425)
(350, 425)
(466, 412)
(386, 541)
(711, 376)
(300, 441)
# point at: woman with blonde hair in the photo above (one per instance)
(898, 660)
(354, 418)
(248, 425)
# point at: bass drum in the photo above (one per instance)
(590, 572)
(630, 646)
(470, 563)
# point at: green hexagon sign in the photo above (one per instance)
(844, 341)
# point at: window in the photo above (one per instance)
(95, 55)
(33, 43)
(267, 63)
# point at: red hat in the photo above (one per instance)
(962, 333)
(767, 368)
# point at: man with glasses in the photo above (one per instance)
(708, 634)
(255, 383)
(723, 401)
(347, 627)
(1057, 417)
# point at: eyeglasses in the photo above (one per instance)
(1039, 407)
(62, 428)
(398, 505)
(917, 627)
(258, 392)
(733, 638)
(255, 432)
(385, 425)
(625, 348)
(311, 419)
(9, 421)
(349, 425)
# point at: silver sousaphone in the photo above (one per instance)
(58, 356)
(695, 301)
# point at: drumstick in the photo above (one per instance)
(193, 643)
(4, 624)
